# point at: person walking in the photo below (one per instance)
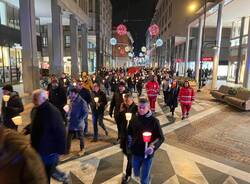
(186, 97)
(58, 97)
(115, 105)
(139, 86)
(85, 94)
(48, 135)
(78, 112)
(98, 103)
(128, 106)
(173, 97)
(143, 157)
(152, 88)
(166, 85)
(11, 108)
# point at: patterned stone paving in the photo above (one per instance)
(211, 147)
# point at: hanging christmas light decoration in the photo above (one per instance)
(154, 30)
(121, 30)
(113, 41)
(159, 42)
(143, 49)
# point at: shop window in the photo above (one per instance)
(3, 18)
(246, 26)
(235, 42)
(236, 29)
(67, 41)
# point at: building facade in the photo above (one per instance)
(35, 35)
(100, 13)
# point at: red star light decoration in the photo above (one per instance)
(154, 30)
(121, 30)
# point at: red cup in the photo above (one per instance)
(147, 136)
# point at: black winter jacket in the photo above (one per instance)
(14, 108)
(47, 130)
(102, 101)
(140, 124)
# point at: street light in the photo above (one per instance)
(192, 7)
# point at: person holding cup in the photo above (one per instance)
(12, 106)
(98, 103)
(128, 111)
(143, 151)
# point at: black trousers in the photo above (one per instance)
(129, 165)
(119, 126)
(79, 135)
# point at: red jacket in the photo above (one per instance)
(152, 88)
(186, 96)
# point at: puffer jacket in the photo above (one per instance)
(19, 163)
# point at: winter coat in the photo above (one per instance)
(47, 130)
(102, 101)
(152, 88)
(78, 112)
(58, 98)
(116, 102)
(124, 124)
(186, 96)
(173, 97)
(19, 163)
(14, 108)
(139, 125)
(85, 94)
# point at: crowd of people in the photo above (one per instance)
(61, 113)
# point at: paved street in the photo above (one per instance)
(211, 147)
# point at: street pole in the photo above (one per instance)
(202, 48)
(187, 51)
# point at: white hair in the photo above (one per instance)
(40, 94)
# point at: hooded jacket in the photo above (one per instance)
(19, 163)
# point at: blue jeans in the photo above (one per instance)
(142, 168)
(98, 118)
(50, 163)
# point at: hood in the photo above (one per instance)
(11, 145)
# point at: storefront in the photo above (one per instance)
(238, 49)
(10, 64)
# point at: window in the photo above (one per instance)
(67, 41)
(45, 41)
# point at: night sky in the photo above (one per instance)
(136, 15)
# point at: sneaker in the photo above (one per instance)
(125, 179)
(81, 153)
(58, 177)
(106, 132)
(183, 118)
(137, 179)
